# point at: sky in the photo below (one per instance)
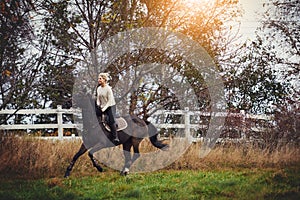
(250, 19)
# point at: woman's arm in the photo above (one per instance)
(110, 99)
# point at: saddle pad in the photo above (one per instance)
(121, 124)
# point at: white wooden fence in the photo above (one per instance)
(186, 113)
(187, 126)
(59, 125)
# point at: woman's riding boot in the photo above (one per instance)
(115, 133)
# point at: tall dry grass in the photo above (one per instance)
(234, 156)
(28, 157)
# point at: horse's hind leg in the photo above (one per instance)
(136, 150)
(81, 151)
(129, 160)
(127, 154)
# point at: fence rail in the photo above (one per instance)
(186, 113)
(187, 126)
(59, 111)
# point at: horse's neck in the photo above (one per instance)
(89, 117)
(90, 120)
(94, 134)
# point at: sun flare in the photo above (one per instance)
(197, 3)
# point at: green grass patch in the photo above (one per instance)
(227, 184)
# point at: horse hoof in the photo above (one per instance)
(67, 174)
(166, 148)
(100, 169)
(125, 172)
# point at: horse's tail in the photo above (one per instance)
(153, 137)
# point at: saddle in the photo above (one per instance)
(120, 123)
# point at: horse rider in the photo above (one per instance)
(106, 103)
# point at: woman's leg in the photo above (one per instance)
(112, 123)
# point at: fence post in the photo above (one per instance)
(60, 122)
(244, 128)
(187, 124)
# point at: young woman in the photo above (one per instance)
(106, 102)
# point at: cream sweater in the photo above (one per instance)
(105, 97)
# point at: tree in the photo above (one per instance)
(18, 70)
(267, 73)
(253, 85)
(265, 78)
(282, 25)
(86, 24)
(68, 33)
(281, 28)
(206, 26)
(57, 78)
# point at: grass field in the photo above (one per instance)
(34, 169)
(170, 184)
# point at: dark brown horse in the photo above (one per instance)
(96, 137)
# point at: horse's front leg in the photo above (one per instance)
(81, 151)
(94, 161)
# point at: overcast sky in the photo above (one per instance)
(252, 10)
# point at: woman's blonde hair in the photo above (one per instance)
(105, 76)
